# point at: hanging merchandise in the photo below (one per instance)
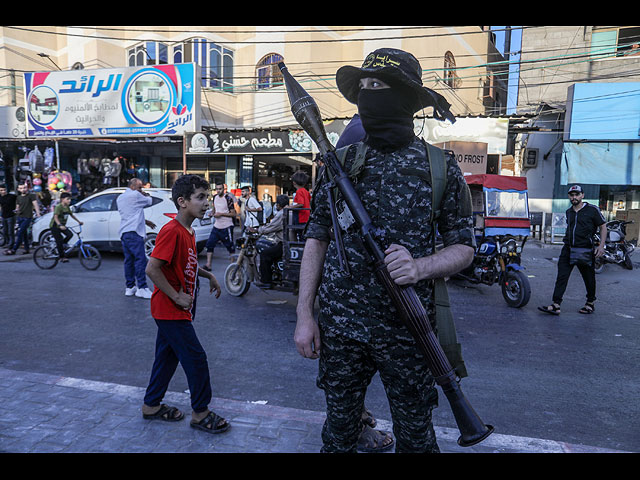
(48, 158)
(83, 164)
(59, 181)
(37, 182)
(142, 173)
(36, 160)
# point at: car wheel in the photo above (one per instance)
(47, 238)
(149, 244)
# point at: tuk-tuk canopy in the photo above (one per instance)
(501, 182)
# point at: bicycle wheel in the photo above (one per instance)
(90, 257)
(46, 257)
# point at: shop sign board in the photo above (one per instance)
(471, 156)
(113, 102)
(12, 122)
(492, 131)
(246, 143)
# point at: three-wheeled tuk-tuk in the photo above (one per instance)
(502, 226)
(245, 267)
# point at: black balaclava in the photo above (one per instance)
(387, 117)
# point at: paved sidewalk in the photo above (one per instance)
(48, 414)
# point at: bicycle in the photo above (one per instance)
(46, 256)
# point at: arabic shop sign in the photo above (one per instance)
(243, 143)
(113, 102)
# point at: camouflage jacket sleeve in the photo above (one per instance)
(320, 220)
(455, 223)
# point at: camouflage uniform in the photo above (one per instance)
(360, 331)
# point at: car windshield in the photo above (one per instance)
(507, 204)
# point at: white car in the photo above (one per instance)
(101, 220)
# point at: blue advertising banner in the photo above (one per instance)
(113, 102)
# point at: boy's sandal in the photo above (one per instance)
(166, 413)
(374, 441)
(9, 252)
(553, 309)
(587, 309)
(212, 423)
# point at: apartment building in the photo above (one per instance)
(582, 84)
(241, 130)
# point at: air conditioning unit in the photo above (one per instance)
(530, 159)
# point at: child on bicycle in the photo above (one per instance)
(58, 224)
(173, 269)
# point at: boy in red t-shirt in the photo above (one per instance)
(173, 269)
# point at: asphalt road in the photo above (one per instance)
(570, 378)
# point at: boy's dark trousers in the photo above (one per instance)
(564, 272)
(58, 234)
(177, 342)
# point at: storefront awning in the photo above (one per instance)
(601, 163)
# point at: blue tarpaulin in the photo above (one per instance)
(601, 163)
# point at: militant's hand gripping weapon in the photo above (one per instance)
(404, 298)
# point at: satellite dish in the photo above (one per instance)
(77, 66)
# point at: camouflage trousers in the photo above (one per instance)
(346, 368)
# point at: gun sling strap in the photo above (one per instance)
(446, 329)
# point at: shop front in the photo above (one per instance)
(263, 160)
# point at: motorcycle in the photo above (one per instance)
(616, 249)
(244, 269)
(501, 228)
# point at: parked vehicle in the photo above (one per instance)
(244, 270)
(101, 219)
(616, 249)
(502, 227)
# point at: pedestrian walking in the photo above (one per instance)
(132, 233)
(26, 203)
(173, 268)
(252, 208)
(8, 206)
(58, 224)
(583, 221)
(357, 332)
(224, 212)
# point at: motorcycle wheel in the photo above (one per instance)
(598, 265)
(627, 262)
(516, 290)
(235, 280)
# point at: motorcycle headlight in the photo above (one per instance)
(518, 249)
(503, 249)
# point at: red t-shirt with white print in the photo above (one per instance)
(176, 246)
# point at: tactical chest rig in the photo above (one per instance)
(446, 331)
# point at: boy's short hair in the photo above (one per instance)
(65, 195)
(3, 186)
(300, 178)
(185, 185)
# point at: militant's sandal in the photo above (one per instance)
(374, 441)
(553, 309)
(368, 418)
(588, 308)
(212, 423)
(166, 413)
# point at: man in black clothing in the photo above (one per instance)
(8, 205)
(583, 220)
